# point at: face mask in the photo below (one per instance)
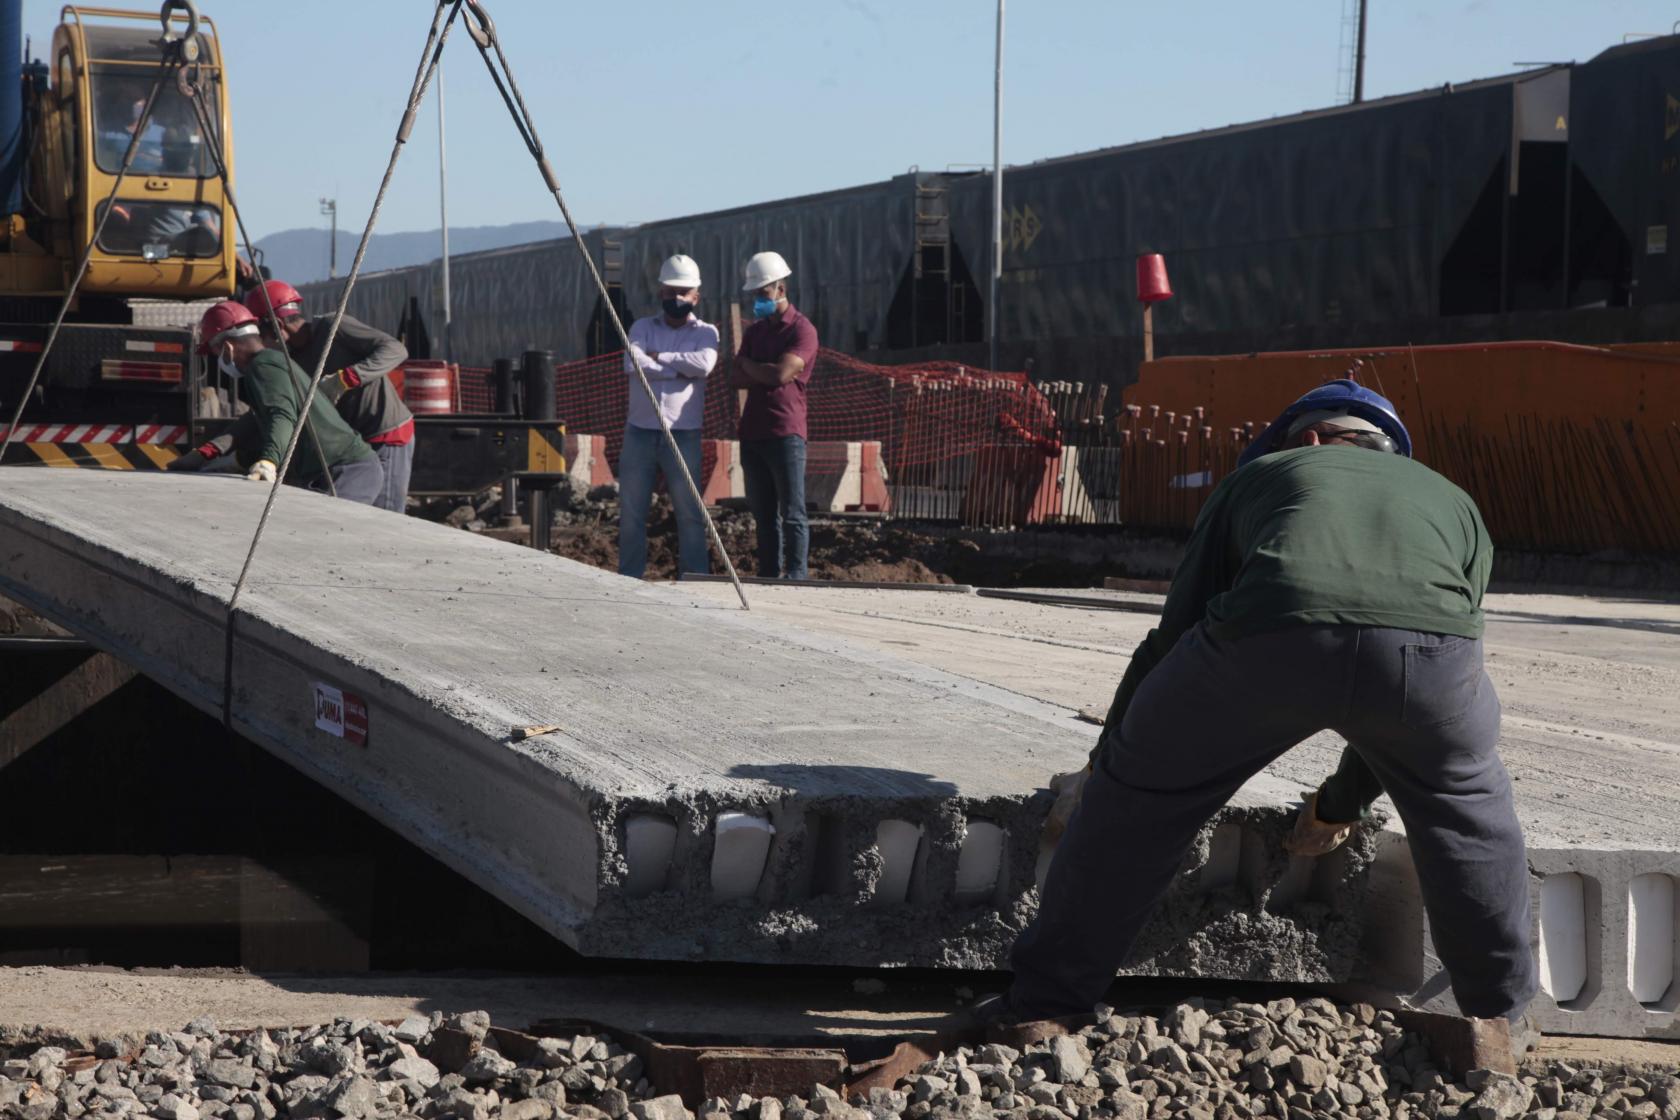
(227, 367)
(764, 307)
(677, 309)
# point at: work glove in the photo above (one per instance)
(348, 377)
(263, 470)
(1313, 837)
(1068, 789)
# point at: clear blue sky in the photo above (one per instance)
(657, 109)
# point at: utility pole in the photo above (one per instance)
(443, 212)
(1359, 56)
(997, 191)
(329, 206)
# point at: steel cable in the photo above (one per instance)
(429, 55)
(214, 146)
(484, 35)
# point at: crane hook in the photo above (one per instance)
(189, 37)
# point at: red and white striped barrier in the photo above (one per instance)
(723, 479)
(840, 477)
(846, 477)
(586, 459)
(98, 433)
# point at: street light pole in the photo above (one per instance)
(1359, 57)
(329, 206)
(443, 213)
(997, 191)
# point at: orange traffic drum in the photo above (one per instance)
(428, 387)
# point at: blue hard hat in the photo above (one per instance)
(1341, 395)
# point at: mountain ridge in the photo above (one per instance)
(300, 256)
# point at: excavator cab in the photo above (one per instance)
(168, 235)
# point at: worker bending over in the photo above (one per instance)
(274, 387)
(355, 378)
(1330, 583)
(675, 350)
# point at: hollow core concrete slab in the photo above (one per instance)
(390, 659)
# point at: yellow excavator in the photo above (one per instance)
(120, 387)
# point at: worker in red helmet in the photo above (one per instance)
(355, 378)
(274, 388)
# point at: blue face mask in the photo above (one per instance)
(764, 307)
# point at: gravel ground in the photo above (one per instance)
(1201, 1061)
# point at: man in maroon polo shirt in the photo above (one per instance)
(774, 367)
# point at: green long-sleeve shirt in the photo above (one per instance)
(1324, 535)
(274, 388)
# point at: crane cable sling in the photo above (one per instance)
(436, 38)
(483, 32)
(429, 55)
(171, 61)
(213, 137)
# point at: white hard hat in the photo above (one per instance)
(765, 268)
(680, 271)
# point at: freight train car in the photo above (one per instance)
(1533, 205)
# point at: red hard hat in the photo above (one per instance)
(224, 317)
(281, 293)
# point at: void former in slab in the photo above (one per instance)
(741, 846)
(979, 863)
(898, 843)
(1570, 905)
(650, 840)
(1654, 940)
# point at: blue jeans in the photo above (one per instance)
(362, 480)
(774, 471)
(398, 461)
(645, 452)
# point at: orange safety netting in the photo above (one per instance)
(923, 415)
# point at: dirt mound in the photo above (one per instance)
(843, 549)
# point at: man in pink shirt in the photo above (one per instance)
(777, 354)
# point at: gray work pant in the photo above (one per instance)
(361, 481)
(398, 461)
(1418, 708)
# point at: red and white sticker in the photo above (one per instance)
(341, 713)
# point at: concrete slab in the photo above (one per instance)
(1591, 735)
(389, 658)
